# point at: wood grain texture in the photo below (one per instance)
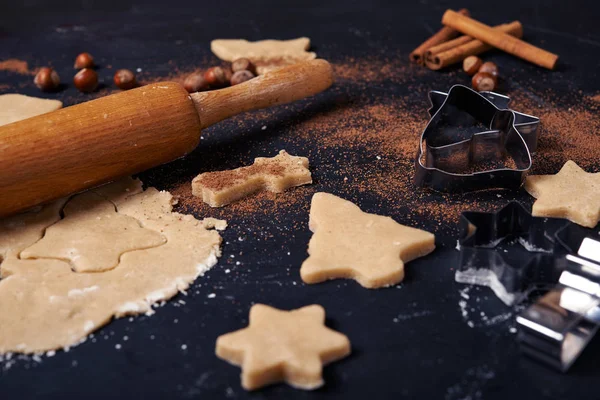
(75, 148)
(280, 86)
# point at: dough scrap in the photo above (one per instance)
(349, 243)
(45, 305)
(290, 346)
(572, 193)
(15, 107)
(213, 223)
(267, 55)
(275, 174)
(92, 236)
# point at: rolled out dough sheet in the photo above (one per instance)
(15, 107)
(46, 305)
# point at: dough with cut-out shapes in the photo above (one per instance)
(47, 305)
(92, 236)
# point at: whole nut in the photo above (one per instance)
(46, 79)
(86, 80)
(195, 82)
(241, 77)
(124, 79)
(471, 65)
(228, 75)
(490, 68)
(217, 77)
(84, 60)
(243, 64)
(483, 81)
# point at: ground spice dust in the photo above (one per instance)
(219, 180)
(172, 72)
(361, 143)
(15, 65)
(567, 133)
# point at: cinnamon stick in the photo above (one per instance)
(443, 35)
(500, 40)
(450, 44)
(456, 50)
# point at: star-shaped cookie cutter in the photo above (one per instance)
(510, 273)
(484, 131)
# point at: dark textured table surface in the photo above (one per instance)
(421, 339)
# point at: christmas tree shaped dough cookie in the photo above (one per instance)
(92, 236)
(275, 174)
(349, 243)
(572, 193)
(290, 346)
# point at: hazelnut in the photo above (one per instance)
(217, 77)
(472, 64)
(86, 80)
(195, 83)
(228, 75)
(124, 79)
(46, 79)
(84, 60)
(243, 64)
(490, 68)
(483, 81)
(241, 77)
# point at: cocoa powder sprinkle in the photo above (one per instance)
(16, 66)
(221, 179)
(361, 146)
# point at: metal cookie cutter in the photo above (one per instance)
(509, 251)
(469, 129)
(558, 327)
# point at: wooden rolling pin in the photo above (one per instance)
(75, 148)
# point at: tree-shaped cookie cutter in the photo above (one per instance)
(468, 129)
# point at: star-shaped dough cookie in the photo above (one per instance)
(92, 236)
(290, 346)
(275, 174)
(572, 193)
(349, 243)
